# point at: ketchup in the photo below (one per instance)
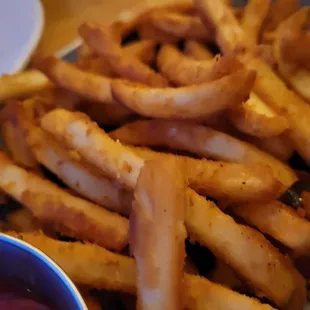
(14, 295)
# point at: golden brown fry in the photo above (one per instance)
(85, 84)
(99, 39)
(283, 101)
(255, 118)
(97, 267)
(195, 102)
(78, 132)
(297, 77)
(157, 230)
(183, 70)
(22, 84)
(66, 213)
(280, 222)
(181, 26)
(16, 119)
(22, 220)
(240, 246)
(143, 50)
(85, 181)
(281, 10)
(202, 141)
(197, 50)
(254, 16)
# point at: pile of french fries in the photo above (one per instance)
(175, 124)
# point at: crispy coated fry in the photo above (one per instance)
(52, 205)
(143, 50)
(22, 220)
(16, 119)
(281, 10)
(268, 85)
(86, 84)
(203, 141)
(101, 42)
(240, 247)
(181, 26)
(297, 77)
(22, 84)
(77, 131)
(191, 102)
(157, 227)
(82, 180)
(197, 50)
(97, 267)
(183, 70)
(255, 118)
(254, 16)
(280, 222)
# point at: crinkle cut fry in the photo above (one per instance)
(195, 102)
(202, 141)
(73, 173)
(99, 39)
(102, 152)
(156, 227)
(97, 267)
(183, 70)
(231, 36)
(66, 213)
(278, 293)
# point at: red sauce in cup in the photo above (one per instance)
(16, 296)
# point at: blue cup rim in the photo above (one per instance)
(50, 264)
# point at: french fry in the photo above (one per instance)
(84, 181)
(66, 213)
(99, 39)
(280, 222)
(243, 242)
(22, 220)
(16, 119)
(181, 26)
(306, 203)
(196, 102)
(91, 86)
(231, 36)
(157, 227)
(297, 77)
(97, 267)
(183, 70)
(197, 50)
(208, 143)
(22, 84)
(143, 50)
(254, 16)
(255, 118)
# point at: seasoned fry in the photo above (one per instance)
(157, 227)
(86, 84)
(297, 77)
(255, 118)
(183, 70)
(16, 119)
(101, 42)
(143, 50)
(85, 181)
(22, 220)
(268, 85)
(254, 16)
(195, 102)
(52, 205)
(240, 247)
(22, 84)
(112, 271)
(197, 50)
(181, 26)
(202, 141)
(280, 222)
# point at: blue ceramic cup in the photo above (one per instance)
(21, 261)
